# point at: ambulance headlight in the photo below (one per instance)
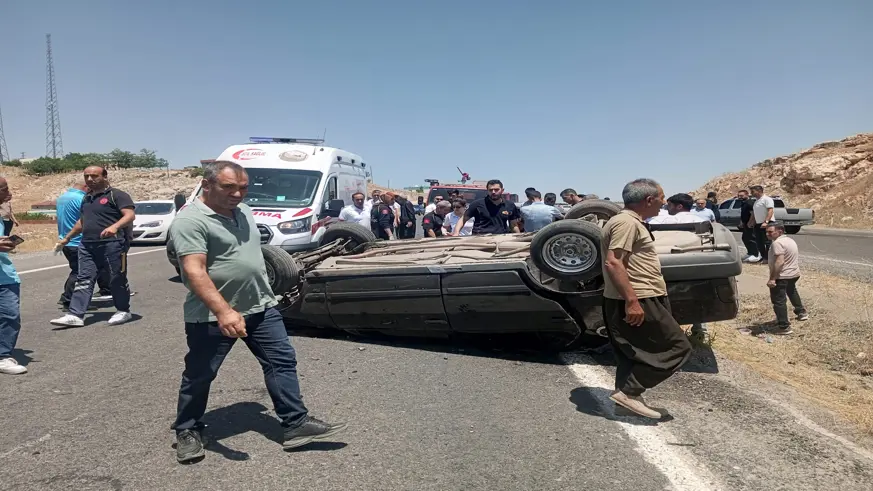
(295, 226)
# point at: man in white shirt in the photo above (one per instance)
(431, 207)
(678, 211)
(762, 215)
(702, 211)
(356, 212)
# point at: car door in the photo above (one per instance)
(404, 301)
(730, 212)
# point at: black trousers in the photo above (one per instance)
(749, 240)
(72, 255)
(94, 257)
(649, 354)
(7, 227)
(404, 232)
(761, 241)
(786, 289)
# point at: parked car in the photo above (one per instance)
(792, 218)
(549, 283)
(152, 222)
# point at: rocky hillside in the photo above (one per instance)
(141, 184)
(834, 178)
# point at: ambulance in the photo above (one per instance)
(297, 187)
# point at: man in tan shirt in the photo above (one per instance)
(784, 263)
(648, 343)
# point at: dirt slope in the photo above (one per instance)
(834, 178)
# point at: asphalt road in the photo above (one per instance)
(845, 252)
(95, 412)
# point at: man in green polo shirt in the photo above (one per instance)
(218, 246)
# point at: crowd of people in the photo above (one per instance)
(218, 245)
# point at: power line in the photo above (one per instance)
(4, 152)
(54, 144)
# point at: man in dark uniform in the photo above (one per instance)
(382, 217)
(105, 223)
(432, 223)
(493, 215)
(406, 228)
(712, 204)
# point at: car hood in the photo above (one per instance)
(140, 219)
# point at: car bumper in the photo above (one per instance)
(149, 235)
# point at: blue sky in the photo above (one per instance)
(585, 94)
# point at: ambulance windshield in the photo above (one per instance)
(281, 188)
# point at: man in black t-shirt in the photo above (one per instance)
(745, 217)
(432, 223)
(493, 215)
(104, 222)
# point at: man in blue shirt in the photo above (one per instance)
(10, 294)
(68, 208)
(537, 214)
(702, 211)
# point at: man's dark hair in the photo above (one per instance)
(358, 194)
(568, 192)
(528, 191)
(778, 226)
(453, 191)
(682, 199)
(711, 194)
(493, 182)
(550, 198)
(756, 188)
(743, 191)
(460, 201)
(212, 170)
(534, 194)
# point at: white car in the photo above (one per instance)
(152, 222)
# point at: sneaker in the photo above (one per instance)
(189, 446)
(11, 367)
(310, 430)
(119, 318)
(783, 331)
(634, 404)
(753, 259)
(803, 317)
(68, 320)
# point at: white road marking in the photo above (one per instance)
(679, 467)
(813, 257)
(37, 270)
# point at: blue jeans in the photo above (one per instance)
(94, 256)
(268, 340)
(10, 318)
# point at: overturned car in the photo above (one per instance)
(549, 283)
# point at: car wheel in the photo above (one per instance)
(354, 233)
(792, 229)
(568, 250)
(282, 271)
(602, 208)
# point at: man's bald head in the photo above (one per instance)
(5, 194)
(96, 178)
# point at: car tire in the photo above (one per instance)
(356, 234)
(568, 250)
(792, 229)
(602, 208)
(282, 271)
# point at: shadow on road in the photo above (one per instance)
(527, 348)
(22, 356)
(594, 401)
(243, 417)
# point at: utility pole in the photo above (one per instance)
(4, 152)
(54, 144)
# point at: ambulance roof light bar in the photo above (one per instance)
(273, 139)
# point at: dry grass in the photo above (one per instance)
(828, 358)
(37, 237)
